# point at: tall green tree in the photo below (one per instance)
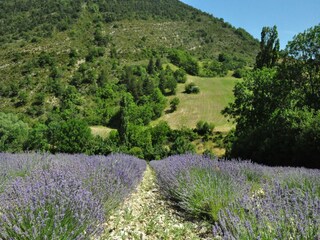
(125, 103)
(277, 110)
(151, 67)
(301, 66)
(269, 48)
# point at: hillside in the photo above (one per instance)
(168, 20)
(43, 45)
(104, 63)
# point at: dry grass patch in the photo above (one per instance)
(100, 131)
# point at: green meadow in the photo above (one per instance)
(215, 94)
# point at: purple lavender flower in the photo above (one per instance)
(242, 199)
(62, 196)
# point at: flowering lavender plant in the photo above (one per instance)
(276, 212)
(49, 205)
(62, 196)
(198, 184)
(242, 199)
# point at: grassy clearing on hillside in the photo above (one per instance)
(100, 131)
(215, 94)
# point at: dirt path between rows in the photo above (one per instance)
(146, 215)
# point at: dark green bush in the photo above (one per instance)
(192, 88)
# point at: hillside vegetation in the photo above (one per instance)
(68, 65)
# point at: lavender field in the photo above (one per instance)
(62, 196)
(243, 200)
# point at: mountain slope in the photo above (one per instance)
(27, 20)
(54, 52)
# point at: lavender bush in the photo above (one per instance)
(277, 212)
(14, 165)
(198, 184)
(242, 199)
(62, 196)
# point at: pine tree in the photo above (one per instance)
(151, 67)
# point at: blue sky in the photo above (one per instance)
(290, 16)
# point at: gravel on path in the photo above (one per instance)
(146, 215)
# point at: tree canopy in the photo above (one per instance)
(269, 48)
(276, 108)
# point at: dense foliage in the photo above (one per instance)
(276, 109)
(269, 48)
(244, 200)
(62, 196)
(69, 135)
(16, 21)
(126, 9)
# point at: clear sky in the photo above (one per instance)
(290, 16)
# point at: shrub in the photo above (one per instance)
(180, 76)
(174, 104)
(13, 133)
(185, 61)
(244, 200)
(192, 88)
(239, 73)
(204, 128)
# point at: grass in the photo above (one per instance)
(100, 131)
(211, 145)
(215, 94)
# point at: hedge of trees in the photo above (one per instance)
(277, 106)
(71, 135)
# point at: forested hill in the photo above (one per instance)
(106, 62)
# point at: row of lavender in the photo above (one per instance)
(244, 200)
(62, 196)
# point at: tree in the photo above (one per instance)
(302, 66)
(100, 39)
(140, 137)
(13, 133)
(37, 139)
(256, 97)
(125, 103)
(184, 60)
(162, 82)
(277, 110)
(171, 85)
(204, 128)
(180, 75)
(269, 48)
(70, 136)
(160, 134)
(158, 64)
(181, 145)
(148, 86)
(174, 104)
(151, 67)
(159, 103)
